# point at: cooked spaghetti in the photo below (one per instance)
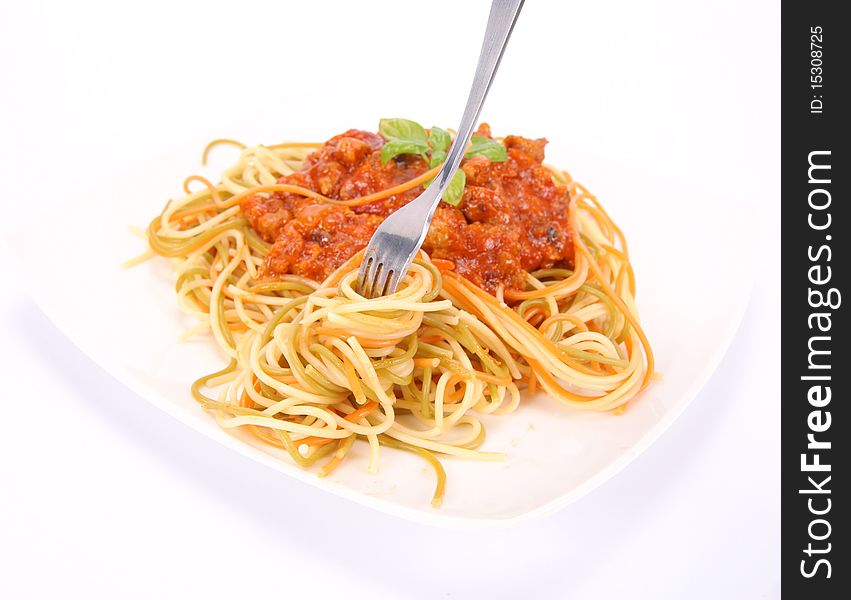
(523, 284)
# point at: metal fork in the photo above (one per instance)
(397, 240)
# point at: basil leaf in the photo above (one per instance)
(439, 139)
(403, 130)
(396, 147)
(437, 157)
(490, 149)
(455, 191)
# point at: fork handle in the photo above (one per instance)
(501, 22)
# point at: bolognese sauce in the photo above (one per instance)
(512, 218)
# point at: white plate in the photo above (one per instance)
(693, 260)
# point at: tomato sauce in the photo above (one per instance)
(513, 218)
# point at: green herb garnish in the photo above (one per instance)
(408, 137)
(439, 140)
(490, 149)
(455, 191)
(403, 137)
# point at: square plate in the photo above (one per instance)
(692, 292)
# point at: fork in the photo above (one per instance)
(396, 241)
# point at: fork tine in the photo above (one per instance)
(367, 273)
(393, 281)
(378, 280)
(381, 280)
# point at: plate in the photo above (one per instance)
(694, 268)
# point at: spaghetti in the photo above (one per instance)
(314, 366)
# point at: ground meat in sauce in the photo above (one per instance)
(513, 217)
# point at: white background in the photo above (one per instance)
(103, 496)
